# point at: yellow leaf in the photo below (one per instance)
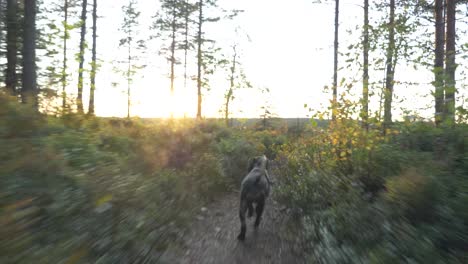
(104, 200)
(77, 256)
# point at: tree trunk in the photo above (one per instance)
(231, 87)
(2, 21)
(79, 99)
(93, 62)
(29, 91)
(173, 45)
(450, 65)
(199, 58)
(381, 99)
(64, 69)
(11, 78)
(439, 61)
(129, 72)
(186, 44)
(226, 107)
(389, 82)
(335, 60)
(365, 75)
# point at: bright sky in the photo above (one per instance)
(290, 52)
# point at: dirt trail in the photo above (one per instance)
(213, 237)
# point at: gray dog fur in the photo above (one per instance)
(255, 188)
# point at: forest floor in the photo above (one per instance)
(212, 237)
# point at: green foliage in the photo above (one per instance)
(133, 184)
(413, 195)
(236, 151)
(365, 197)
(14, 122)
(412, 214)
(101, 190)
(208, 173)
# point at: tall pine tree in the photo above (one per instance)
(29, 80)
(79, 99)
(134, 46)
(365, 74)
(390, 68)
(11, 77)
(187, 11)
(439, 60)
(170, 25)
(93, 61)
(64, 67)
(450, 64)
(335, 59)
(202, 54)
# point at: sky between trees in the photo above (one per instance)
(289, 50)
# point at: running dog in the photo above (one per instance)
(255, 189)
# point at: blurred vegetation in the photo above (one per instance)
(365, 197)
(87, 189)
(78, 189)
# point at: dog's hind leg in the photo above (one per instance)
(259, 211)
(250, 210)
(242, 209)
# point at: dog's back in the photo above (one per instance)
(255, 186)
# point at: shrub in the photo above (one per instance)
(236, 151)
(151, 177)
(208, 174)
(413, 195)
(18, 120)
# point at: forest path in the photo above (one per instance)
(212, 237)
